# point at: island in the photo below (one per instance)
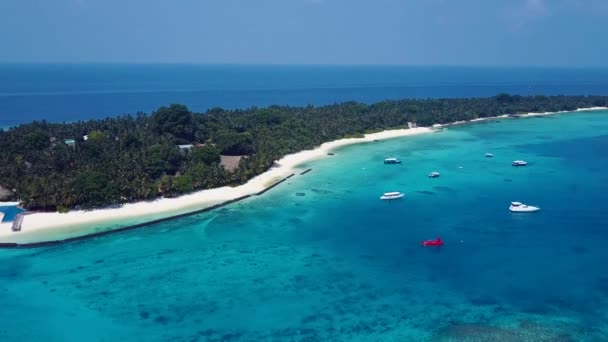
(130, 170)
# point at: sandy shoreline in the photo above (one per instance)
(526, 115)
(8, 204)
(39, 227)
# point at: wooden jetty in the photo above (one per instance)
(17, 222)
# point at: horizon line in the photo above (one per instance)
(479, 66)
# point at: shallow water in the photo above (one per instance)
(320, 258)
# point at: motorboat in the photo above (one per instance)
(489, 155)
(519, 163)
(392, 161)
(392, 195)
(518, 207)
(432, 243)
(433, 174)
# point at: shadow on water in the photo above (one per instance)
(444, 188)
(13, 267)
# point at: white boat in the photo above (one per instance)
(489, 155)
(392, 161)
(433, 174)
(518, 207)
(391, 195)
(519, 163)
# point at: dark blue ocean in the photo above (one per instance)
(68, 92)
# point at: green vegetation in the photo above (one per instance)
(132, 158)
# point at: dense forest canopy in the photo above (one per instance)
(130, 158)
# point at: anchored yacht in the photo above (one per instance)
(392, 195)
(433, 174)
(518, 207)
(519, 163)
(392, 161)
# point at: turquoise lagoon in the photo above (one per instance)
(321, 258)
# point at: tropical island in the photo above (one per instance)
(96, 163)
(53, 168)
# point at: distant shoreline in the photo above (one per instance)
(41, 229)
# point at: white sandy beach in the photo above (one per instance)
(40, 227)
(8, 204)
(590, 109)
(507, 116)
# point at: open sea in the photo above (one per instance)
(321, 258)
(71, 92)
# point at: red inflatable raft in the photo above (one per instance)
(430, 243)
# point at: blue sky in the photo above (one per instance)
(446, 32)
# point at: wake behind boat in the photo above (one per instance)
(391, 195)
(518, 207)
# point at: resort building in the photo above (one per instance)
(230, 163)
(184, 148)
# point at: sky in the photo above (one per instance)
(384, 32)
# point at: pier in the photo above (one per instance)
(273, 185)
(17, 222)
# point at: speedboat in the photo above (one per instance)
(518, 207)
(392, 195)
(432, 243)
(392, 161)
(519, 163)
(489, 155)
(433, 174)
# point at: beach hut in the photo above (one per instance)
(5, 194)
(184, 148)
(231, 163)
